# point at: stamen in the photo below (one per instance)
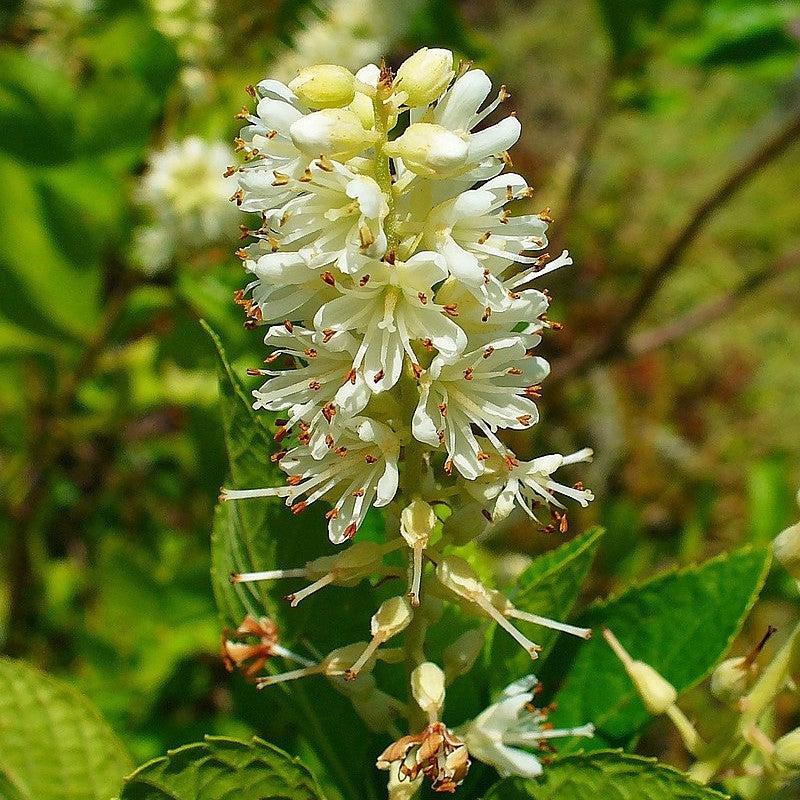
(267, 575)
(531, 647)
(582, 633)
(321, 583)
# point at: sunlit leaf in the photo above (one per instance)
(218, 769)
(53, 743)
(549, 587)
(604, 774)
(681, 623)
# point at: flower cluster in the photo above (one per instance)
(396, 290)
(184, 192)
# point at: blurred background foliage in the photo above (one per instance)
(663, 135)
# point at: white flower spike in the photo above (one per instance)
(396, 288)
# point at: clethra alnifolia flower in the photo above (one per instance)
(255, 642)
(394, 272)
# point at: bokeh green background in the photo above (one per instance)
(665, 138)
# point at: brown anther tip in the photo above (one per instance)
(291, 599)
(413, 598)
(234, 577)
(350, 675)
(250, 89)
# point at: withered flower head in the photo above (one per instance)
(435, 752)
(259, 641)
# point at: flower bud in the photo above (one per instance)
(428, 149)
(657, 693)
(461, 655)
(362, 107)
(730, 679)
(417, 521)
(334, 132)
(427, 686)
(324, 86)
(459, 577)
(786, 547)
(424, 76)
(787, 749)
(392, 617)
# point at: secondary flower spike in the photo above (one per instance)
(396, 267)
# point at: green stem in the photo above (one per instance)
(383, 172)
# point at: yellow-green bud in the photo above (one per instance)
(362, 107)
(393, 615)
(657, 693)
(786, 547)
(417, 521)
(787, 749)
(428, 149)
(459, 577)
(324, 86)
(731, 679)
(424, 76)
(427, 686)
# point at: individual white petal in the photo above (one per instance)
(494, 140)
(458, 107)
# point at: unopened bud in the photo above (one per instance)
(362, 107)
(730, 679)
(461, 655)
(428, 149)
(657, 693)
(392, 617)
(459, 577)
(417, 521)
(324, 86)
(334, 132)
(786, 547)
(427, 686)
(787, 749)
(424, 76)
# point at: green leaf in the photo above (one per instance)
(549, 587)
(62, 296)
(53, 743)
(601, 775)
(220, 769)
(629, 26)
(681, 623)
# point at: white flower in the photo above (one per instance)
(359, 473)
(478, 156)
(267, 141)
(322, 390)
(479, 240)
(496, 734)
(392, 305)
(527, 484)
(489, 388)
(284, 287)
(186, 193)
(337, 220)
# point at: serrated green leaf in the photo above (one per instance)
(548, 587)
(53, 743)
(601, 775)
(220, 769)
(681, 623)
